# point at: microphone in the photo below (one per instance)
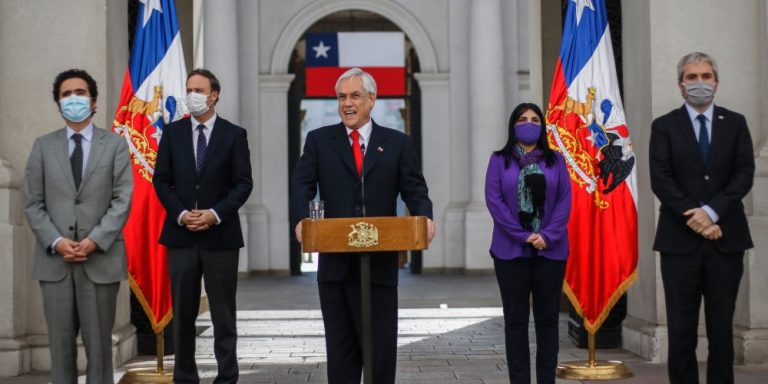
(362, 178)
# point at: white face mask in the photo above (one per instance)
(197, 103)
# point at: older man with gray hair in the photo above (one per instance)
(355, 182)
(702, 166)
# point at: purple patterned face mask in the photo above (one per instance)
(528, 133)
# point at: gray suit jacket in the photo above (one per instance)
(98, 210)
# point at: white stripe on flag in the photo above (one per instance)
(600, 72)
(371, 49)
(171, 72)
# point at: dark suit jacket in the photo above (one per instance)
(681, 180)
(224, 183)
(390, 166)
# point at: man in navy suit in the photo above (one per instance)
(360, 168)
(702, 166)
(202, 177)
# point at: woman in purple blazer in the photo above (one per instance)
(528, 193)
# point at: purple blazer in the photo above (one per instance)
(509, 236)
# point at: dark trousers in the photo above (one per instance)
(218, 268)
(342, 318)
(687, 278)
(519, 279)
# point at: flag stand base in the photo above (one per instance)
(600, 370)
(157, 375)
(146, 376)
(593, 369)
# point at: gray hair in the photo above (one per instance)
(694, 57)
(368, 82)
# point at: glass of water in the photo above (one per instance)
(316, 209)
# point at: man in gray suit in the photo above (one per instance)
(78, 185)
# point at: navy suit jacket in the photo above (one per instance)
(682, 180)
(390, 167)
(223, 184)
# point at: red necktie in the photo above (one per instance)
(356, 151)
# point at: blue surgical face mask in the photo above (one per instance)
(528, 133)
(75, 108)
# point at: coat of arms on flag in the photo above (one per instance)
(153, 95)
(586, 123)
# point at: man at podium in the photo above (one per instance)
(360, 168)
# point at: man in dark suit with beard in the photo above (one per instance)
(343, 159)
(702, 166)
(202, 177)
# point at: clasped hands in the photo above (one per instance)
(700, 222)
(75, 251)
(198, 220)
(537, 241)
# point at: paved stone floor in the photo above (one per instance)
(450, 331)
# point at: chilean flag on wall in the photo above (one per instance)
(585, 122)
(153, 94)
(382, 54)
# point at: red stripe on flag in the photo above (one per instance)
(602, 230)
(147, 261)
(321, 81)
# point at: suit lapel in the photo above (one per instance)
(719, 125)
(186, 145)
(94, 157)
(689, 137)
(375, 149)
(62, 153)
(217, 134)
(340, 144)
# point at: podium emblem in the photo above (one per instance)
(363, 235)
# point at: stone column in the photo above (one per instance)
(14, 348)
(99, 46)
(273, 168)
(751, 333)
(255, 228)
(487, 122)
(436, 155)
(220, 53)
(651, 90)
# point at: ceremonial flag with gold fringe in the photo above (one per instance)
(586, 123)
(153, 95)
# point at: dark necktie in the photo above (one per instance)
(356, 151)
(703, 137)
(202, 145)
(76, 160)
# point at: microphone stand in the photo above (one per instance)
(365, 294)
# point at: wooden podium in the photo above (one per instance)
(365, 235)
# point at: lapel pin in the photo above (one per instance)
(380, 149)
(721, 117)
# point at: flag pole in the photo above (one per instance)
(148, 375)
(593, 369)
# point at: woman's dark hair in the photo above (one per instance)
(509, 148)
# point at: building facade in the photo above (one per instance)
(473, 61)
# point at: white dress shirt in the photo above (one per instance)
(207, 131)
(365, 134)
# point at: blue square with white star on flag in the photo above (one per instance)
(322, 50)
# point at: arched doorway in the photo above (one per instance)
(401, 112)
